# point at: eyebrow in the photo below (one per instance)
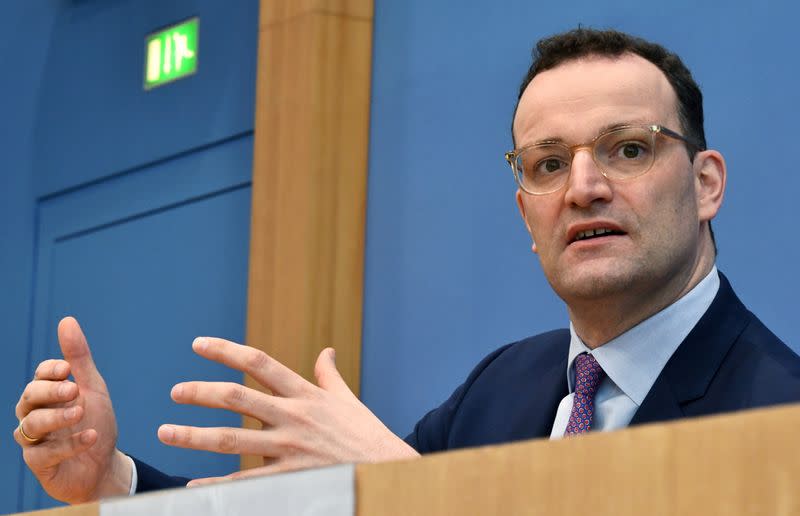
(604, 129)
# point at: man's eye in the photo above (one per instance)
(550, 165)
(631, 150)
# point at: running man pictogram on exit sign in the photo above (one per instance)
(171, 54)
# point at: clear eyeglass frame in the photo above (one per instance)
(515, 157)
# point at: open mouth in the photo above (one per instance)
(590, 234)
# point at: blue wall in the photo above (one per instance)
(110, 194)
(21, 59)
(449, 274)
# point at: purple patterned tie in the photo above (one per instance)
(588, 375)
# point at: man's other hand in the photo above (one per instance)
(68, 432)
(304, 425)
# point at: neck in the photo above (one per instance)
(599, 320)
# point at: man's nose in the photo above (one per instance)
(586, 184)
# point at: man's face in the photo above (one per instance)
(656, 213)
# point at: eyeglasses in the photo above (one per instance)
(621, 153)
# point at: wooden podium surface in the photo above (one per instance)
(87, 509)
(745, 463)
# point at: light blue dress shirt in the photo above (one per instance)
(633, 360)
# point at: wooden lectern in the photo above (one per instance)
(732, 464)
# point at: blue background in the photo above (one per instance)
(449, 272)
(128, 209)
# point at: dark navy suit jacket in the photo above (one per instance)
(729, 361)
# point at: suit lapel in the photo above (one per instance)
(555, 380)
(660, 404)
(693, 365)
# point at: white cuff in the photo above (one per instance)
(134, 477)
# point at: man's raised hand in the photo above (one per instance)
(304, 425)
(70, 431)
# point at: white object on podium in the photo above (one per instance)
(328, 491)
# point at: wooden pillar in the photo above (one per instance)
(305, 286)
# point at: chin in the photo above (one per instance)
(594, 282)
(595, 288)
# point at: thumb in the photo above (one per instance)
(76, 351)
(328, 377)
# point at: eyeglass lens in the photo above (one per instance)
(620, 154)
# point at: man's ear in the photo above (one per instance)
(521, 207)
(710, 177)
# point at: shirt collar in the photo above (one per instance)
(634, 359)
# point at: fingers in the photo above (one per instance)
(199, 482)
(247, 473)
(264, 369)
(41, 393)
(41, 422)
(52, 369)
(328, 376)
(76, 352)
(22, 437)
(52, 453)
(229, 396)
(223, 440)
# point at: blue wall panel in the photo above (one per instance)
(22, 71)
(94, 115)
(147, 262)
(449, 271)
(110, 195)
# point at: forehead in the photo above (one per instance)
(577, 99)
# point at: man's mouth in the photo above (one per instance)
(589, 234)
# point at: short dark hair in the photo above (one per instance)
(583, 42)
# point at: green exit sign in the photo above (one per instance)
(171, 53)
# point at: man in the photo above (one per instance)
(617, 190)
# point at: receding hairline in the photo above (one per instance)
(600, 56)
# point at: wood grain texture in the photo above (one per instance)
(278, 11)
(87, 509)
(305, 289)
(739, 464)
